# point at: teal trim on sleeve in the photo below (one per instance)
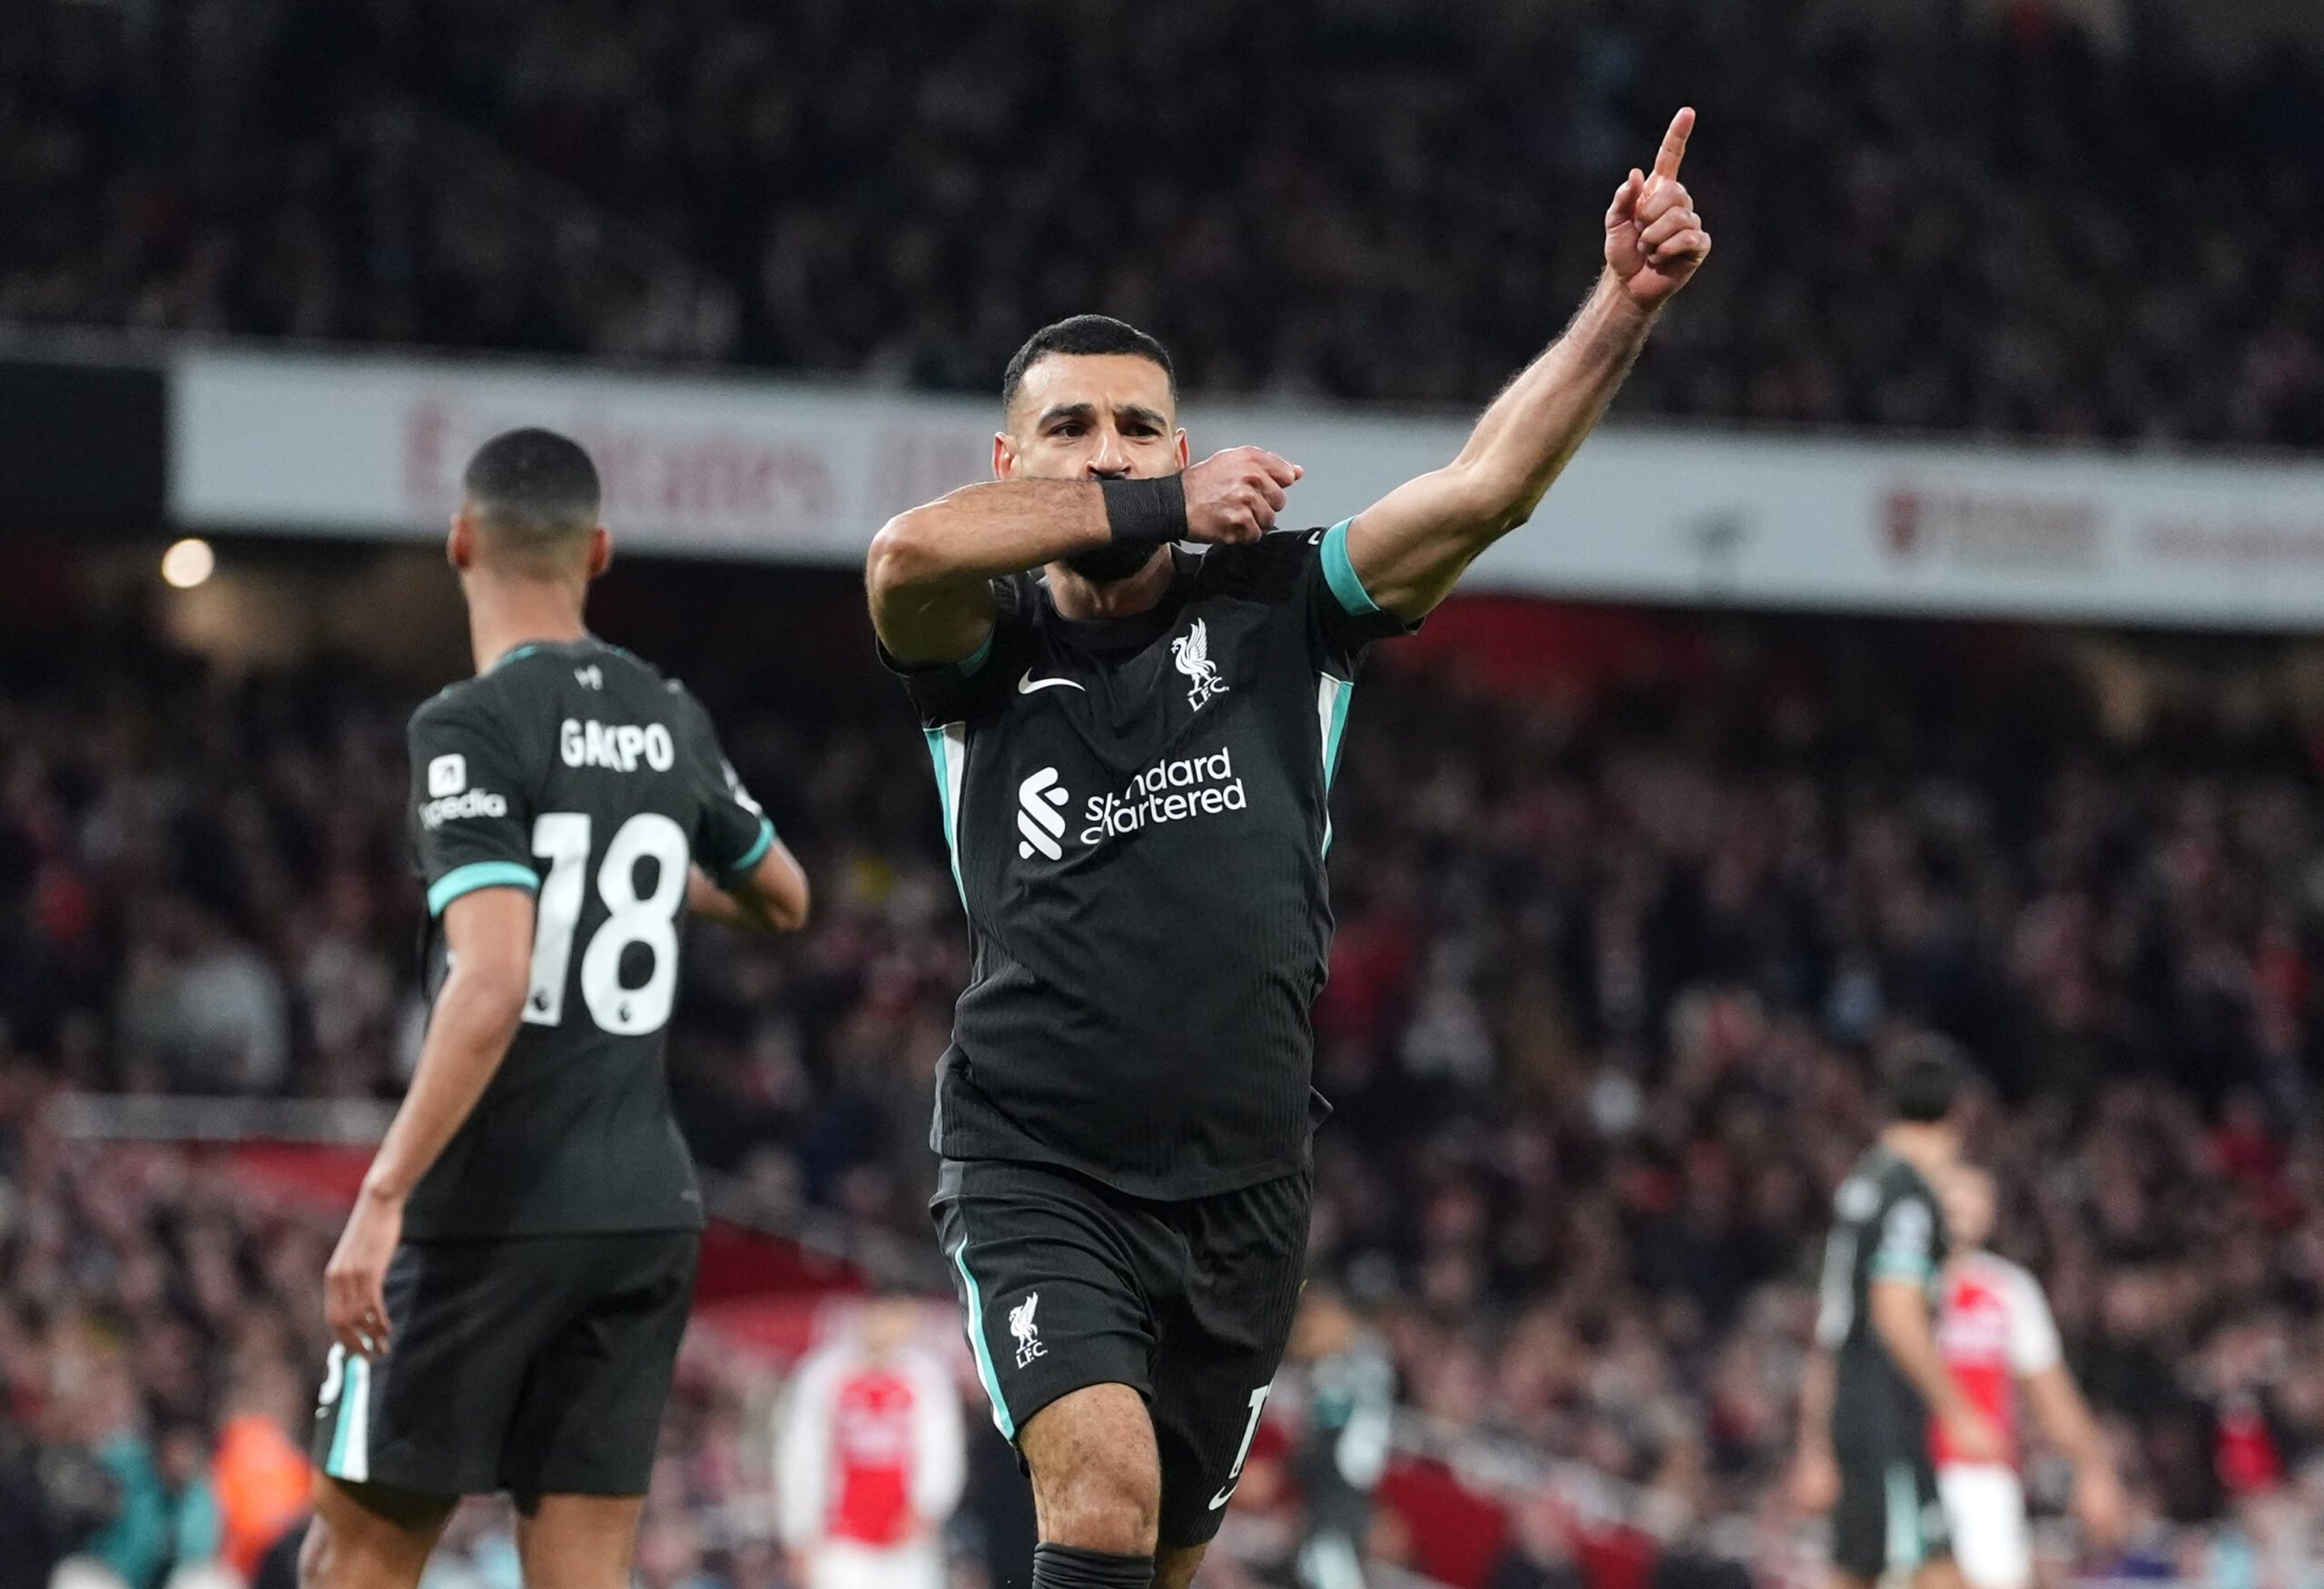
(1892, 1267)
(976, 659)
(758, 847)
(478, 874)
(1340, 574)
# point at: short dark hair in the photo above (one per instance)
(1925, 1081)
(535, 490)
(1082, 334)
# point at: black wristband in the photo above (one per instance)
(1147, 512)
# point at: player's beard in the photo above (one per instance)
(1111, 563)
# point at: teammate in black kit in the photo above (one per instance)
(508, 1296)
(1134, 745)
(1877, 1376)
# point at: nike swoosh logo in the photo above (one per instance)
(1220, 1499)
(1028, 684)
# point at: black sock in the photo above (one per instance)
(1068, 1566)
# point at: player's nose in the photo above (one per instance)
(1111, 458)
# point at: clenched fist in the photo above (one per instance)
(1232, 496)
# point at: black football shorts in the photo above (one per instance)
(538, 1365)
(1889, 1516)
(1067, 1283)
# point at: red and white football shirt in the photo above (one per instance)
(1994, 1327)
(870, 1449)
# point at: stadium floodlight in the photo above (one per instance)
(188, 563)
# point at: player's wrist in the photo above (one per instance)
(382, 1194)
(1145, 512)
(1623, 305)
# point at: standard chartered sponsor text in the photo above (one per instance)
(1170, 791)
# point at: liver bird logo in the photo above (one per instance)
(1192, 650)
(1028, 1333)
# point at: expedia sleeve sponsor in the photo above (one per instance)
(453, 807)
(469, 812)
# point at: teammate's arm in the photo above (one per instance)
(1409, 547)
(1815, 1471)
(1900, 1317)
(930, 571)
(771, 897)
(802, 1462)
(2066, 1418)
(489, 934)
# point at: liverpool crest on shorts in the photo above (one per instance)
(1028, 1333)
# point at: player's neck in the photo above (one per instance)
(504, 613)
(1926, 1147)
(1083, 599)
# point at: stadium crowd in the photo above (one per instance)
(1621, 938)
(2045, 217)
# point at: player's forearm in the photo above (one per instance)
(774, 896)
(1816, 1380)
(1535, 426)
(929, 570)
(1900, 1317)
(982, 531)
(2064, 1417)
(475, 1017)
(1410, 547)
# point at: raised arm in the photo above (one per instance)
(930, 571)
(1410, 547)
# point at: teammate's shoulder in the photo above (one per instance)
(2004, 1273)
(1897, 1175)
(462, 699)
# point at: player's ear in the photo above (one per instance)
(459, 546)
(601, 551)
(1184, 457)
(1004, 456)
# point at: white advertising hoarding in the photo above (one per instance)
(313, 444)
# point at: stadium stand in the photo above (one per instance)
(1629, 902)
(2026, 222)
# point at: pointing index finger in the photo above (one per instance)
(1674, 143)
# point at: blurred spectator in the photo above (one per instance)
(197, 1534)
(478, 1549)
(262, 1474)
(97, 1399)
(1541, 1554)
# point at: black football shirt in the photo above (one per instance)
(577, 773)
(1887, 1225)
(1136, 815)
